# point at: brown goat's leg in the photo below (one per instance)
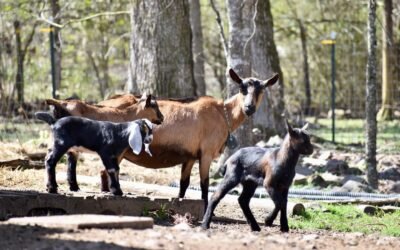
(249, 188)
(205, 163)
(105, 182)
(72, 158)
(185, 177)
(112, 168)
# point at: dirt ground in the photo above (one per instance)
(181, 236)
(220, 236)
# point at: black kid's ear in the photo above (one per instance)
(289, 128)
(271, 81)
(235, 77)
(305, 127)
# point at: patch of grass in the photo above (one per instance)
(161, 214)
(26, 131)
(352, 132)
(346, 218)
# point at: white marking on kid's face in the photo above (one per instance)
(147, 149)
(148, 122)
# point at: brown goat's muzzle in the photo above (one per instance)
(249, 110)
(159, 120)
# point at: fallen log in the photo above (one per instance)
(22, 164)
(293, 208)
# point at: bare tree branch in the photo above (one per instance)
(221, 29)
(41, 17)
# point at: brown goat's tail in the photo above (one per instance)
(60, 110)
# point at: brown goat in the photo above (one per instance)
(197, 130)
(144, 107)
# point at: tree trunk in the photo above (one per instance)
(197, 44)
(161, 55)
(307, 88)
(239, 55)
(253, 53)
(265, 62)
(370, 105)
(55, 7)
(19, 78)
(386, 110)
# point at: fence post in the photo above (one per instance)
(332, 42)
(52, 60)
(333, 91)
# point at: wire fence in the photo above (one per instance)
(350, 103)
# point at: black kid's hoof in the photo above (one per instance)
(74, 187)
(52, 190)
(116, 192)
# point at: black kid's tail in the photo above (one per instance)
(45, 116)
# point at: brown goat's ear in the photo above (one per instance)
(271, 81)
(289, 128)
(148, 101)
(235, 77)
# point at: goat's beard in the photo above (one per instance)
(147, 148)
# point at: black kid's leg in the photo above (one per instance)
(226, 185)
(244, 200)
(71, 172)
(283, 208)
(51, 161)
(272, 215)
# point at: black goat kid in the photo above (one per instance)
(110, 140)
(274, 168)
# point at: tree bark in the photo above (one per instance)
(55, 7)
(265, 62)
(386, 110)
(19, 77)
(370, 106)
(307, 88)
(197, 44)
(239, 55)
(161, 50)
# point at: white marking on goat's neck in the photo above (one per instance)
(234, 107)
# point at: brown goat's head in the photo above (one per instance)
(300, 139)
(149, 109)
(252, 89)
